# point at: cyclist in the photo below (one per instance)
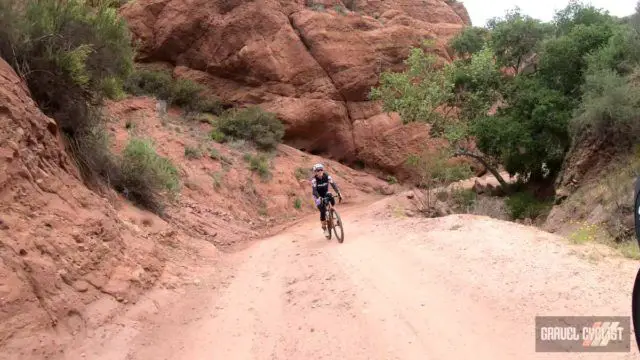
(320, 188)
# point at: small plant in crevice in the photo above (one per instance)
(191, 152)
(262, 211)
(301, 173)
(215, 155)
(130, 125)
(146, 177)
(297, 203)
(217, 136)
(260, 164)
(217, 178)
(249, 189)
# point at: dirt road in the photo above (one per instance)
(459, 287)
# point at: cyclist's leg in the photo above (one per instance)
(323, 215)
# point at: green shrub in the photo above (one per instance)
(150, 82)
(146, 176)
(216, 136)
(214, 154)
(191, 152)
(260, 164)
(524, 205)
(297, 203)
(609, 108)
(71, 56)
(185, 93)
(112, 87)
(252, 124)
(301, 173)
(464, 198)
(210, 105)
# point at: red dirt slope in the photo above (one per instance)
(70, 259)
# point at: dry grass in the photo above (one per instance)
(607, 203)
(590, 233)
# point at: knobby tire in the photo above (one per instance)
(337, 223)
(329, 222)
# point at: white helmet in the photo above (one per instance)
(318, 167)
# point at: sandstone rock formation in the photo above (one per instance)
(312, 63)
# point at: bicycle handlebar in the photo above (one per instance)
(327, 196)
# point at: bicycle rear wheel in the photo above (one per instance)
(337, 224)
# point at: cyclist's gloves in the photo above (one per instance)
(317, 200)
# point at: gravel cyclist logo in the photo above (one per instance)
(583, 334)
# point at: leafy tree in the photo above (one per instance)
(422, 91)
(634, 19)
(621, 52)
(470, 41)
(476, 82)
(587, 65)
(530, 135)
(515, 38)
(563, 59)
(609, 108)
(577, 13)
(417, 92)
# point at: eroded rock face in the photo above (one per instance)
(61, 245)
(313, 63)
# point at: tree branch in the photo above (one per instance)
(485, 163)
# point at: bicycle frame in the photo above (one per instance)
(330, 211)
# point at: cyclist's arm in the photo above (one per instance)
(334, 185)
(314, 189)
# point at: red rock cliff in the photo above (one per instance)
(313, 63)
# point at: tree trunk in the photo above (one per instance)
(484, 163)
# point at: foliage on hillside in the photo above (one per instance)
(525, 89)
(74, 54)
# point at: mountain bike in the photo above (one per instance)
(333, 218)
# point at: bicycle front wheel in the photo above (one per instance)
(329, 225)
(337, 226)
